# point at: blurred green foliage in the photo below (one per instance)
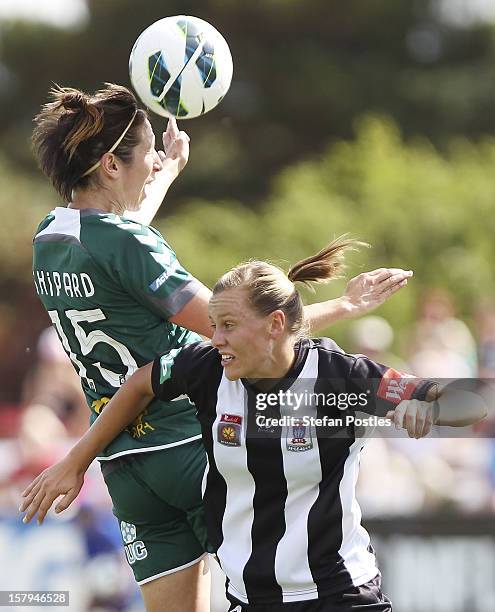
(24, 201)
(418, 209)
(373, 118)
(304, 71)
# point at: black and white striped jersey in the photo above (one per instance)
(280, 500)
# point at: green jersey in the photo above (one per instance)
(110, 285)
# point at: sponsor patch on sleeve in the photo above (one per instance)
(157, 283)
(396, 386)
(164, 276)
(166, 364)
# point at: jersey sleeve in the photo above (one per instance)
(385, 386)
(149, 270)
(191, 370)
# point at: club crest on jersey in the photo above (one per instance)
(229, 430)
(299, 438)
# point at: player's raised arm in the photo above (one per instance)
(173, 159)
(67, 476)
(363, 293)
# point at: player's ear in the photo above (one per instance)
(277, 323)
(110, 165)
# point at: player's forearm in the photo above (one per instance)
(125, 406)
(458, 408)
(323, 314)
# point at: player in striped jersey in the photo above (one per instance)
(279, 497)
(118, 296)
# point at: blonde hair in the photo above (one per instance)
(269, 288)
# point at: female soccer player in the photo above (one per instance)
(278, 413)
(118, 297)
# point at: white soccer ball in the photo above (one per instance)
(181, 66)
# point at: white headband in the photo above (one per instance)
(114, 146)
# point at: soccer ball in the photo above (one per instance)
(180, 66)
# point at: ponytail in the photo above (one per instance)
(88, 121)
(75, 129)
(269, 288)
(326, 265)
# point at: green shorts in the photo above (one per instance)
(157, 499)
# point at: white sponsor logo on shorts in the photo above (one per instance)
(134, 551)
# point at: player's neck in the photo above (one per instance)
(96, 199)
(278, 365)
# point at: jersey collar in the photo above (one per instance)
(301, 349)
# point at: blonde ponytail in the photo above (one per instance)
(268, 288)
(326, 265)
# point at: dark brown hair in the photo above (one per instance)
(75, 129)
(269, 288)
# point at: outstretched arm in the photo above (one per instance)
(446, 406)
(363, 293)
(67, 476)
(173, 158)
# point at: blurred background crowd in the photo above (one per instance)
(373, 118)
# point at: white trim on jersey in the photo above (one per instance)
(205, 477)
(148, 449)
(359, 562)
(67, 222)
(302, 472)
(239, 511)
(149, 240)
(172, 571)
(164, 259)
(130, 226)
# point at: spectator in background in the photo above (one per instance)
(373, 336)
(52, 394)
(441, 345)
(53, 410)
(434, 473)
(485, 331)
(104, 571)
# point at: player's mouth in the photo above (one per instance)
(227, 358)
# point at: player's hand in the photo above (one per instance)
(63, 478)
(413, 415)
(176, 148)
(172, 160)
(370, 289)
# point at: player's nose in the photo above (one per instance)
(157, 163)
(218, 339)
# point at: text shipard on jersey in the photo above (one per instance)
(110, 285)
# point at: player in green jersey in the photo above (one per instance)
(118, 297)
